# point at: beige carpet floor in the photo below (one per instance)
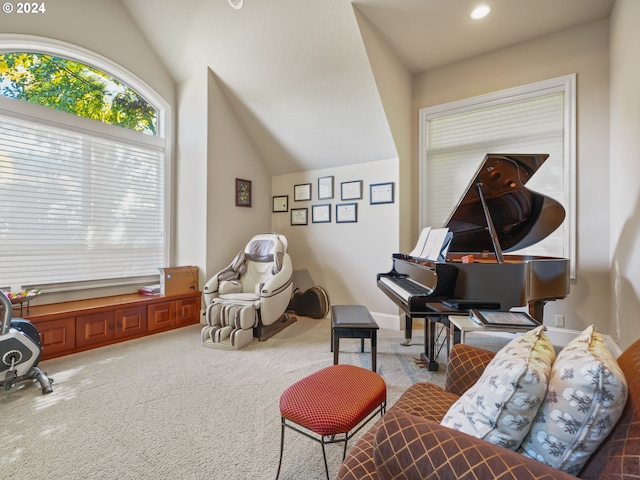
(165, 407)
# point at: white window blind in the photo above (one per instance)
(77, 206)
(456, 137)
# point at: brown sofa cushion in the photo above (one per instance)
(408, 447)
(424, 399)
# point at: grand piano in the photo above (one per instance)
(496, 214)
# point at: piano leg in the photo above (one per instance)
(408, 326)
(536, 309)
(429, 355)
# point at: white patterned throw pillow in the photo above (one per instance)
(502, 404)
(587, 393)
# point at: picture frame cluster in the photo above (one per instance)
(344, 212)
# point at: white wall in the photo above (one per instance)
(583, 50)
(344, 258)
(230, 155)
(624, 210)
(213, 150)
(394, 84)
(190, 176)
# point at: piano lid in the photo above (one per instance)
(521, 217)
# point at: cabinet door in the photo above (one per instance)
(161, 316)
(57, 336)
(131, 321)
(188, 311)
(95, 328)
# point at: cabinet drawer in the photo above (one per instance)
(188, 311)
(57, 336)
(132, 321)
(161, 315)
(95, 328)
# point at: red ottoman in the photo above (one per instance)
(331, 402)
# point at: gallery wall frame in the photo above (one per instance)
(321, 213)
(325, 187)
(243, 192)
(351, 190)
(280, 203)
(381, 193)
(346, 213)
(299, 216)
(302, 192)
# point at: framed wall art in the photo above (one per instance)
(346, 213)
(302, 192)
(321, 213)
(243, 192)
(325, 188)
(280, 203)
(381, 193)
(299, 216)
(351, 190)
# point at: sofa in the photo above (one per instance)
(409, 442)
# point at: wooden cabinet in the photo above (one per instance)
(130, 321)
(95, 329)
(187, 311)
(162, 316)
(70, 327)
(58, 337)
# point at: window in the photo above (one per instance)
(535, 118)
(76, 88)
(83, 199)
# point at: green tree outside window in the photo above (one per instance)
(75, 88)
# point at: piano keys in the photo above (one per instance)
(496, 214)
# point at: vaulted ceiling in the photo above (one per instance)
(297, 73)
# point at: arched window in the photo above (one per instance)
(83, 166)
(73, 87)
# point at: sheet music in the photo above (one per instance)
(432, 244)
(417, 250)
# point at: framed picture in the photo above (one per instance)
(346, 212)
(243, 193)
(280, 203)
(302, 192)
(321, 213)
(325, 188)
(351, 190)
(299, 216)
(381, 193)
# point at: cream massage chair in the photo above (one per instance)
(249, 297)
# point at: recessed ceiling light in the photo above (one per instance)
(237, 4)
(479, 12)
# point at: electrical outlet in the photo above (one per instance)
(559, 320)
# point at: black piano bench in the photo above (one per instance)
(353, 321)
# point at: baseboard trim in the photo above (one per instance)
(388, 321)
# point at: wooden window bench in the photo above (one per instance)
(70, 327)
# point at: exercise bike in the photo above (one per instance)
(20, 350)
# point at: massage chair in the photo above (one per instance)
(248, 298)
